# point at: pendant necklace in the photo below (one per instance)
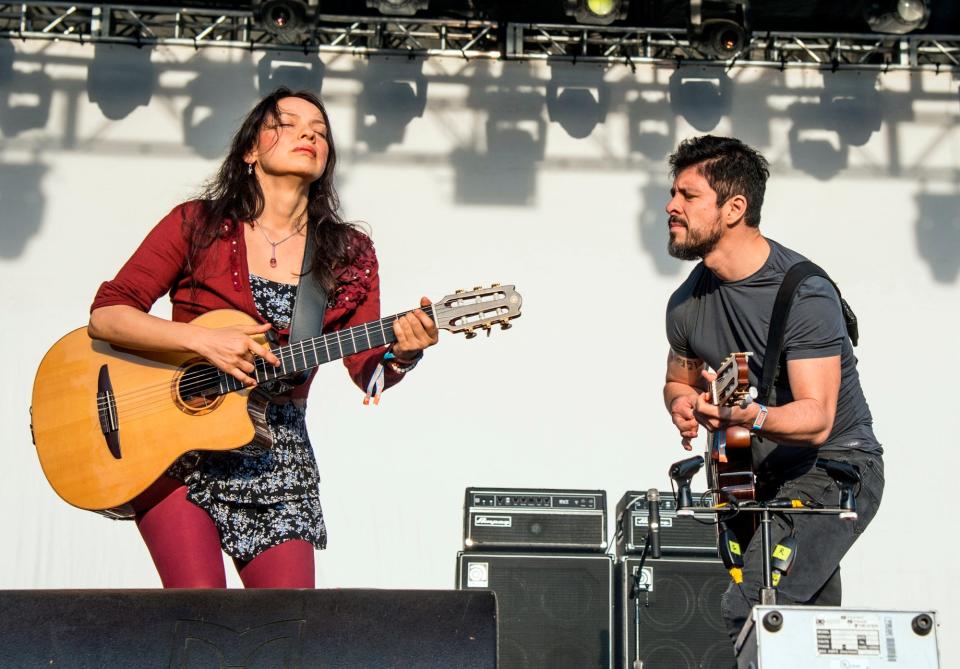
(274, 245)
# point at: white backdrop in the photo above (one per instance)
(552, 178)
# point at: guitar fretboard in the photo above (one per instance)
(309, 353)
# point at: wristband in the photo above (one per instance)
(760, 419)
(395, 364)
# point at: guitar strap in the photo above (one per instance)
(796, 275)
(310, 304)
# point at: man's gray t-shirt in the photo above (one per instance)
(709, 319)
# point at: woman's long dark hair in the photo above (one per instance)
(235, 196)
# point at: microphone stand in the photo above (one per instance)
(636, 588)
(768, 594)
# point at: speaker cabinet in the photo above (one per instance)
(680, 623)
(555, 611)
(248, 629)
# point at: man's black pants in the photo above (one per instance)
(822, 540)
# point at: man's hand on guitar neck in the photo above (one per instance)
(716, 418)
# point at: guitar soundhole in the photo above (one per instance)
(196, 388)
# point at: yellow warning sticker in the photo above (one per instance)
(782, 552)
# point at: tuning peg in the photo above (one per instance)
(505, 324)
(459, 290)
(478, 287)
(494, 285)
(488, 327)
(470, 334)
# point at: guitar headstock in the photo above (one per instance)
(468, 311)
(732, 384)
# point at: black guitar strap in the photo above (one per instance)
(796, 275)
(310, 304)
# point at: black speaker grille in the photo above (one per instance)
(681, 628)
(555, 612)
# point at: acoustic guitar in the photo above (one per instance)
(108, 421)
(729, 461)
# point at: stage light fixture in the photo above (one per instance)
(398, 7)
(723, 38)
(897, 16)
(718, 29)
(596, 12)
(287, 20)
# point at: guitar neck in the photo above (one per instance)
(309, 353)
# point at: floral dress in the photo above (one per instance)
(261, 499)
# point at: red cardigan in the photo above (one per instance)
(222, 281)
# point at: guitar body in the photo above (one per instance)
(155, 424)
(729, 462)
(732, 477)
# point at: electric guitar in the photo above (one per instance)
(729, 462)
(107, 421)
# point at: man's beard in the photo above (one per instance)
(697, 245)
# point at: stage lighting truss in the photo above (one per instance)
(199, 27)
(387, 35)
(633, 46)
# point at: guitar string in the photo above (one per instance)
(199, 379)
(149, 397)
(132, 403)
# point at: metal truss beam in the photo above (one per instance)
(781, 50)
(199, 27)
(369, 35)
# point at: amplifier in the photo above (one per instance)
(827, 637)
(535, 518)
(684, 535)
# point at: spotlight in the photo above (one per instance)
(718, 29)
(897, 16)
(398, 7)
(723, 38)
(596, 12)
(287, 20)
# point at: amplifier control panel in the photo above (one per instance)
(522, 499)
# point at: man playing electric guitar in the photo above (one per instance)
(725, 305)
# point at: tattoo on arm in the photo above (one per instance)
(692, 364)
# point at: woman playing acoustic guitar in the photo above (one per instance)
(241, 246)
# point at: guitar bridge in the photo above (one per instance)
(107, 412)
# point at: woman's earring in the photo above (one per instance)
(249, 168)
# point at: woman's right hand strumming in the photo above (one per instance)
(230, 349)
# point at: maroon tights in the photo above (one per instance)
(185, 546)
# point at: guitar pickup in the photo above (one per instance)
(107, 412)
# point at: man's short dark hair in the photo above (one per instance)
(729, 166)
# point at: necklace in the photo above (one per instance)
(273, 244)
